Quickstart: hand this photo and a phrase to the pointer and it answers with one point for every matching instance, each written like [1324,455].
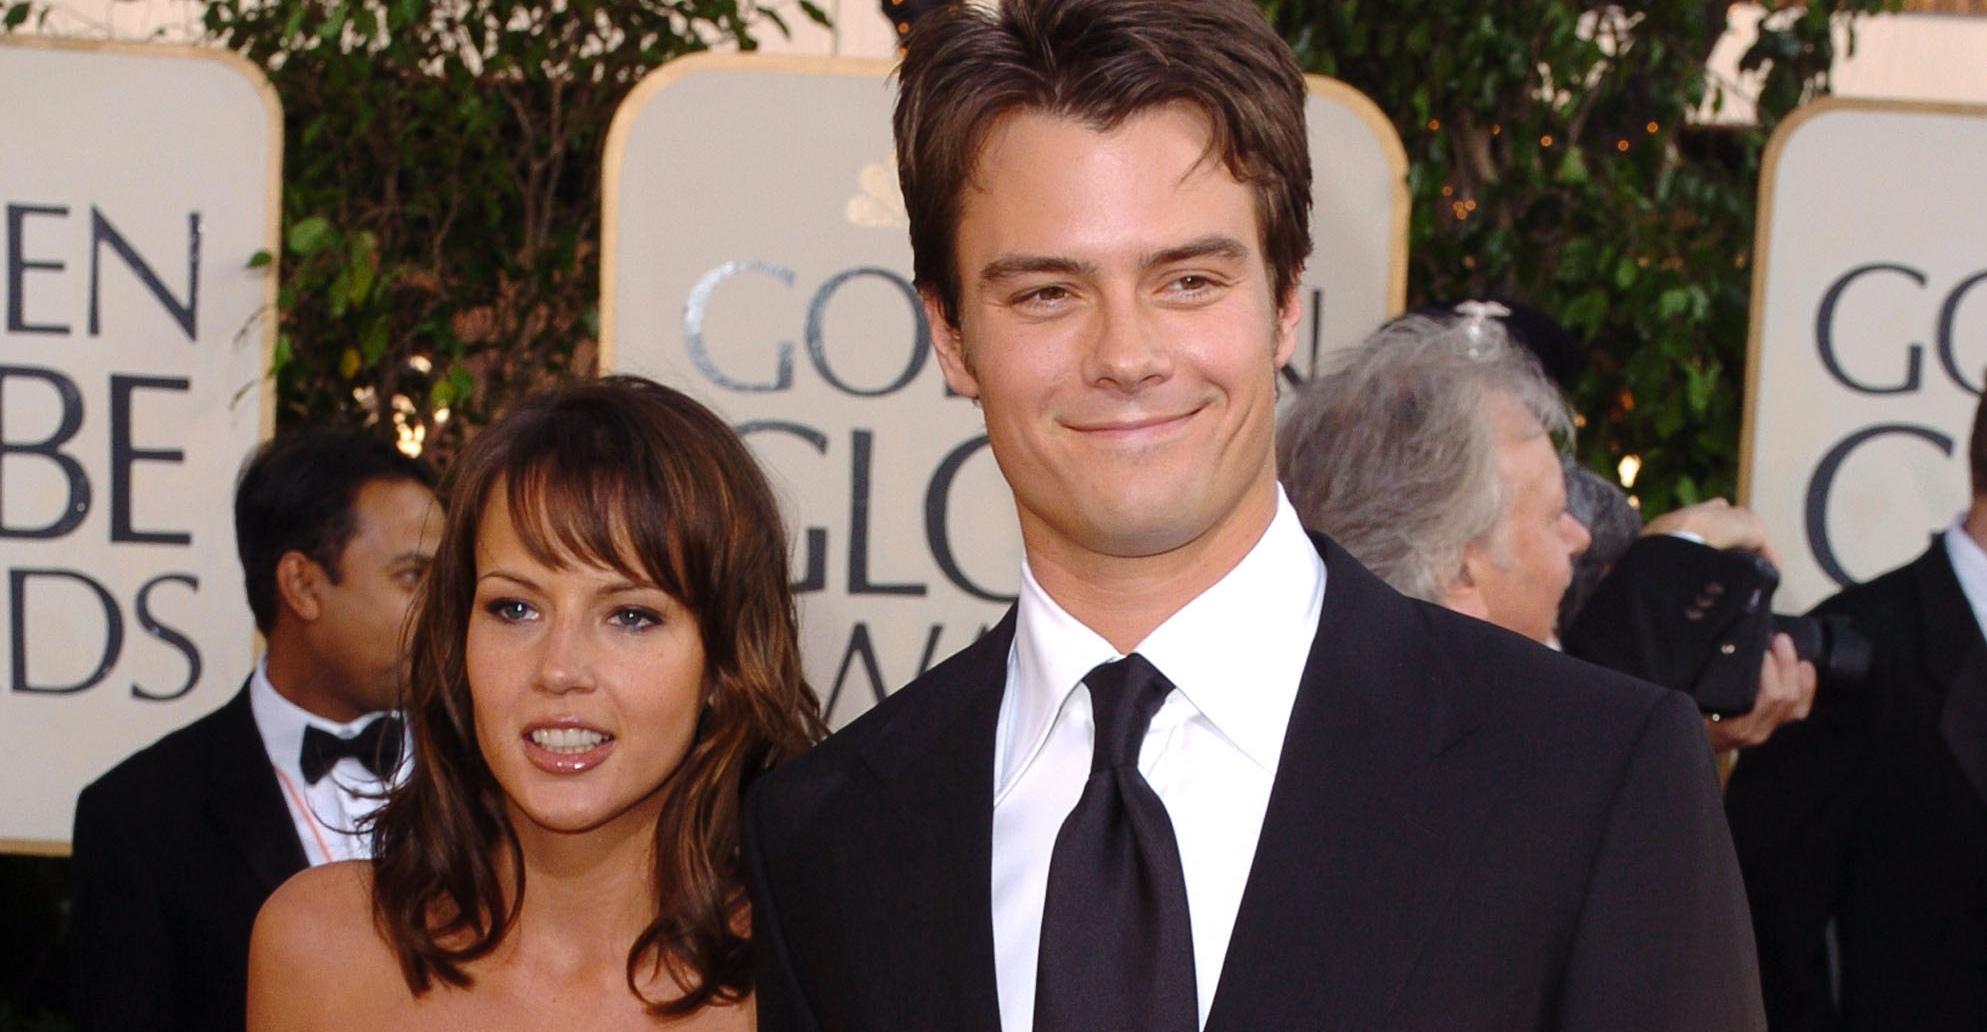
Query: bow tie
[376,747]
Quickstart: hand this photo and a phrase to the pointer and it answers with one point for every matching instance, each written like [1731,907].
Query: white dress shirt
[1235,654]
[326,814]
[1970,566]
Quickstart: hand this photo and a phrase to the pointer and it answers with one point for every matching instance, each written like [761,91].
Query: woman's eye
[634,618]
[509,610]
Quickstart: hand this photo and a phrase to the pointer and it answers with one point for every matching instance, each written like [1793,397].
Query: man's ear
[1288,314]
[299,581]
[950,347]
[1461,589]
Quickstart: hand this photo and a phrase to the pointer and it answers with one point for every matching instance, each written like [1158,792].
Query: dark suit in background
[175,851]
[1466,832]
[1870,813]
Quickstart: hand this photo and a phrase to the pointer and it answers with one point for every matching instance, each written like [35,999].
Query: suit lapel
[938,775]
[244,799]
[1380,792]
[1955,656]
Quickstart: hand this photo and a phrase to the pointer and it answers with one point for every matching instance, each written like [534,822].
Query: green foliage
[1551,161]
[441,201]
[441,195]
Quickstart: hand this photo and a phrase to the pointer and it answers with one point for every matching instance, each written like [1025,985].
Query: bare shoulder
[318,907]
[315,943]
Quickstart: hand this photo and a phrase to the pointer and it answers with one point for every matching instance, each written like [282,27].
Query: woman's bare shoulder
[319,907]
[315,942]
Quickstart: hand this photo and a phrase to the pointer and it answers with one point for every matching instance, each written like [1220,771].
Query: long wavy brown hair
[631,475]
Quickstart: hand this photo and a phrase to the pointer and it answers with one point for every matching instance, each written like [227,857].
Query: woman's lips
[566,746]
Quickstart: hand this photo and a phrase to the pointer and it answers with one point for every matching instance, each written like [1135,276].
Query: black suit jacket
[174,852]
[1467,831]
[1870,813]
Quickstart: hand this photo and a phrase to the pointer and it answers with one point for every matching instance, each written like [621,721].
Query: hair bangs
[574,506]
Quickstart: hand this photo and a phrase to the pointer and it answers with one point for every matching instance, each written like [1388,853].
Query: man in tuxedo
[177,847]
[1208,772]
[1871,816]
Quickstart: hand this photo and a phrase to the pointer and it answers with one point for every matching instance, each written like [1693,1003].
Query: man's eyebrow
[1214,245]
[1010,266]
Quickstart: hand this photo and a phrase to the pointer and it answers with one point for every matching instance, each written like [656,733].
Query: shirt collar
[282,723]
[1236,651]
[1969,563]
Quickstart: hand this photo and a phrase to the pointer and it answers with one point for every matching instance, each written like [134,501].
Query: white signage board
[137,183]
[755,255]
[1869,336]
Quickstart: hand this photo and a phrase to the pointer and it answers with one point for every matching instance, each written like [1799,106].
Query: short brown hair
[1099,61]
[638,477]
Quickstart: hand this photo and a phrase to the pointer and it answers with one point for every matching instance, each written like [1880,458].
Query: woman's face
[586,684]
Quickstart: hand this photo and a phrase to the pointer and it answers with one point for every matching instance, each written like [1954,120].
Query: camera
[1700,620]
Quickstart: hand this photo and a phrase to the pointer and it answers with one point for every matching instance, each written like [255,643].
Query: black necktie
[376,747]
[1117,952]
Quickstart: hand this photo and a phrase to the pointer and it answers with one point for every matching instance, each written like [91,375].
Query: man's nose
[1575,533]
[1129,349]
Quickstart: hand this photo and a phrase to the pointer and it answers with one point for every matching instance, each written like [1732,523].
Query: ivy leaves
[1553,159]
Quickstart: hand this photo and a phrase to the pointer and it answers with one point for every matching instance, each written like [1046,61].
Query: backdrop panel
[137,183]
[1869,336]
[755,255]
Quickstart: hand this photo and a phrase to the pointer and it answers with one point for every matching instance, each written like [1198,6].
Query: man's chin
[1145,533]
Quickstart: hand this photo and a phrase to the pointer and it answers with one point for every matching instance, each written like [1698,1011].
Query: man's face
[1525,566]
[360,629]
[1117,325]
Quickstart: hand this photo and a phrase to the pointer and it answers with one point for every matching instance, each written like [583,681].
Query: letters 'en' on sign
[136,185]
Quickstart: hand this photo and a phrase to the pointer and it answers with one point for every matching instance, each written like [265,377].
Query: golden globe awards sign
[1869,336]
[136,184]
[755,254]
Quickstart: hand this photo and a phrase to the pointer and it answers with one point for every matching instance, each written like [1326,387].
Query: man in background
[1432,452]
[177,847]
[1871,816]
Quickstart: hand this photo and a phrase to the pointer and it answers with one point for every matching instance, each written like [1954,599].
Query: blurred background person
[1429,452]
[1434,453]
[605,658]
[177,847]
[1870,818]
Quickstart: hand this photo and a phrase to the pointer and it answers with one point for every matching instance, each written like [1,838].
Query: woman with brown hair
[604,656]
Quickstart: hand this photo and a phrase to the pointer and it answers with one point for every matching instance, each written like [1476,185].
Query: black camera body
[1697,619]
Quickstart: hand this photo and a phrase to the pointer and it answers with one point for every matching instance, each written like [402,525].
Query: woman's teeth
[570,740]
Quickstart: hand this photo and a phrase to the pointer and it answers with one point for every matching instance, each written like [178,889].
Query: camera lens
[1840,653]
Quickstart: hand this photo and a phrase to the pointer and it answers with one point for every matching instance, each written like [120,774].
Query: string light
[1434,124]
[1631,465]
[1621,145]
[1546,140]
[1651,128]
